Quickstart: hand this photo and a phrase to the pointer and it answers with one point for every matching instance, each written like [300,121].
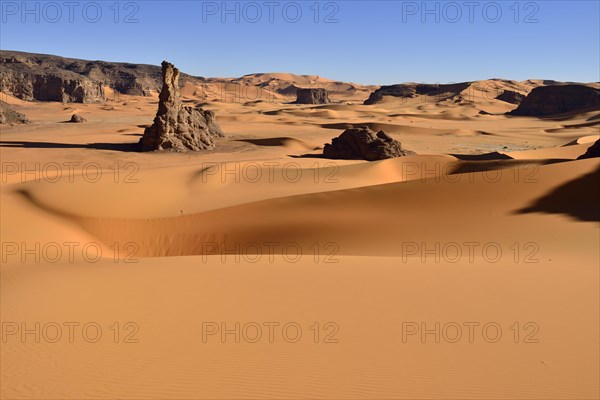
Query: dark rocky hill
[558,99]
[41,77]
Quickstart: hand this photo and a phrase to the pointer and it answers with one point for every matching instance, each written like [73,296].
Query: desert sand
[341,264]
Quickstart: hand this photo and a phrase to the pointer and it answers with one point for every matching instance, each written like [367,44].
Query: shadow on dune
[526,167]
[569,115]
[374,126]
[279,142]
[593,118]
[126,147]
[573,126]
[579,198]
[276,141]
[482,157]
[322,156]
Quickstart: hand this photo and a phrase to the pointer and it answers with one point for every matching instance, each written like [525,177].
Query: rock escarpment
[558,99]
[62,87]
[363,143]
[179,128]
[41,77]
[412,90]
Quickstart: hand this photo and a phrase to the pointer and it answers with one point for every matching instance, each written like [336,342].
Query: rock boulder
[9,116]
[363,143]
[77,119]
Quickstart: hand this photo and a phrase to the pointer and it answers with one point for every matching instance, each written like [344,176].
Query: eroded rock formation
[511,96]
[363,143]
[557,99]
[176,127]
[412,90]
[312,96]
[9,116]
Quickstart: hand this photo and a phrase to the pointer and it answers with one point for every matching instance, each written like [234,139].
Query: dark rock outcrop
[312,96]
[176,127]
[9,116]
[511,97]
[412,90]
[62,87]
[558,99]
[592,151]
[363,143]
[77,119]
[41,77]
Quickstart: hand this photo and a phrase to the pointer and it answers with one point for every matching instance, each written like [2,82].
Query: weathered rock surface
[511,96]
[9,116]
[179,128]
[411,90]
[77,119]
[64,88]
[312,96]
[557,99]
[363,143]
[592,151]
[40,77]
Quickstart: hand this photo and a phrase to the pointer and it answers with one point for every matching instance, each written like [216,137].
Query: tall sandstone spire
[179,128]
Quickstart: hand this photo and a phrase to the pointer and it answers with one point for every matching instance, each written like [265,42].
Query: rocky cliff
[557,99]
[40,77]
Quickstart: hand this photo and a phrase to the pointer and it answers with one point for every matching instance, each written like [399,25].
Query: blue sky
[370,42]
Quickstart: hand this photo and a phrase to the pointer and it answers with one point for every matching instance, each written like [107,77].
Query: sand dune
[369,359]
[359,247]
[383,208]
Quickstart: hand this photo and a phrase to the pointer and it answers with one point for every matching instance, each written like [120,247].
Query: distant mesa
[412,90]
[558,99]
[312,96]
[510,96]
[179,128]
[8,116]
[77,119]
[363,143]
[592,151]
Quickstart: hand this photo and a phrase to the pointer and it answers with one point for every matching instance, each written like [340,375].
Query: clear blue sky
[371,42]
